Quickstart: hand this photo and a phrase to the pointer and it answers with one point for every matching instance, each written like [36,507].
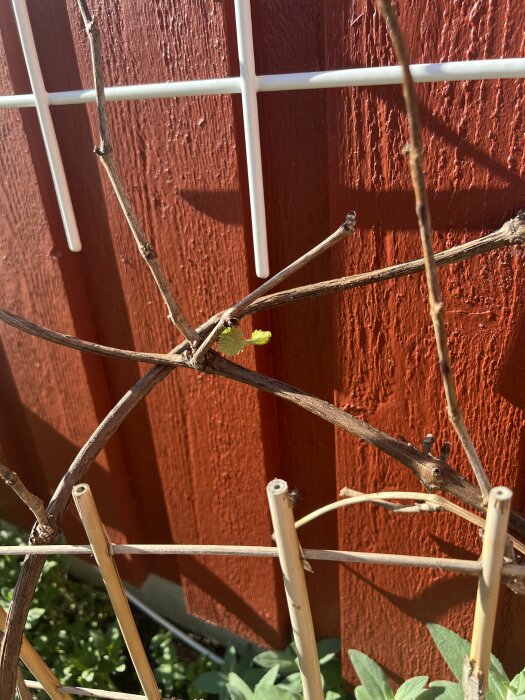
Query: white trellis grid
[248,84]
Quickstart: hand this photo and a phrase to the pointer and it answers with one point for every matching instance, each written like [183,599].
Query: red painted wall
[190,465]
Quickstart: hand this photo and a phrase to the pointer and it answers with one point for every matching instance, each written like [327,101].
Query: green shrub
[454,649]
[177,667]
[70,624]
[277,677]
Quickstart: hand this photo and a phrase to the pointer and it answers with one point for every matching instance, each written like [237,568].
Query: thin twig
[382,497]
[231,315]
[70,341]
[421,507]
[437,309]
[46,530]
[511,233]
[105,153]
[21,687]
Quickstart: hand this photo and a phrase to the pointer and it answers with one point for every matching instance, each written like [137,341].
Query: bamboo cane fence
[489,569]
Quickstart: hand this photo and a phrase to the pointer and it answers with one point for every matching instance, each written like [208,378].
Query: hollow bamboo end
[80,490]
[501,494]
[277,487]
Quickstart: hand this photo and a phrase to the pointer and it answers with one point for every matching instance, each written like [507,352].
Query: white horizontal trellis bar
[248,84]
[490,69]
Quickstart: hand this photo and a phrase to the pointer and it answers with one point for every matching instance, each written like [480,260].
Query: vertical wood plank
[387,365]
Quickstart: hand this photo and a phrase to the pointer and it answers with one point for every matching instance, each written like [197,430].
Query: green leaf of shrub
[518,683]
[454,649]
[447,690]
[328,649]
[269,677]
[371,675]
[292,683]
[285,659]
[411,689]
[238,688]
[273,692]
[361,693]
[211,682]
[231,341]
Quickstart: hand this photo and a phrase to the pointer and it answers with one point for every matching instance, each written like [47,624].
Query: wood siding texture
[191,463]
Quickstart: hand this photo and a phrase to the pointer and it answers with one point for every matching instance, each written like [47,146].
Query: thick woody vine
[196,352]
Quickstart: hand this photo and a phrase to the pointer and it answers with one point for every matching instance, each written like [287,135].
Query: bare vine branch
[437,309]
[32,566]
[46,530]
[105,153]
[384,499]
[232,314]
[511,233]
[432,472]
[70,341]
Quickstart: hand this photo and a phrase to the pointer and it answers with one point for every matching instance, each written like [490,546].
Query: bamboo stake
[101,545]
[37,666]
[476,668]
[295,586]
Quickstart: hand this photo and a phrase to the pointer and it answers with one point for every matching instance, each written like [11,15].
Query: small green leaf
[292,683]
[454,649]
[238,688]
[328,649]
[273,692]
[269,677]
[231,342]
[518,682]
[499,688]
[371,675]
[211,682]
[361,693]
[286,660]
[411,689]
[245,659]
[446,690]
[259,338]
[34,615]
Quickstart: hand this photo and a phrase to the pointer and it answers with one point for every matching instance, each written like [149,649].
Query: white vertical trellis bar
[252,138]
[46,124]
[248,84]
